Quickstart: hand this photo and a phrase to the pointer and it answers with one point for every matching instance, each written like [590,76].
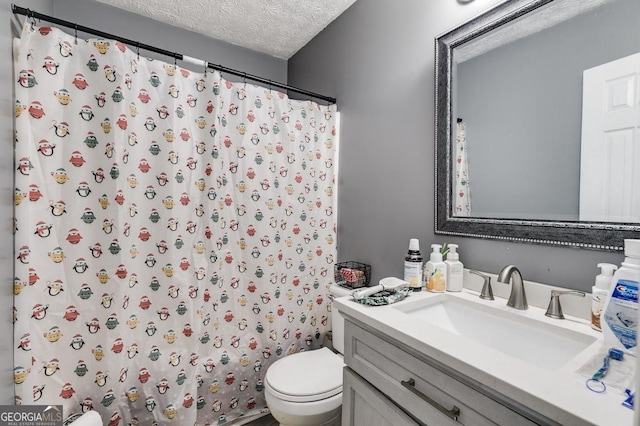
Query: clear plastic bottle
[413,265]
[455,269]
[619,318]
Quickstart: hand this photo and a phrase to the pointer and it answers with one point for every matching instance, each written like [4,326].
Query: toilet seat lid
[310,375]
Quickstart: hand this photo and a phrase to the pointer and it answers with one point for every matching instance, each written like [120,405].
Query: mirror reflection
[545,116]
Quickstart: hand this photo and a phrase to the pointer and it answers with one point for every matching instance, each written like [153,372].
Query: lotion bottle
[436,271]
[619,317]
[455,269]
[413,265]
[600,292]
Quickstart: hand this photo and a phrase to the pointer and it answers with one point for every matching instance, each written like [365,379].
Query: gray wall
[523,101]
[96,15]
[377,59]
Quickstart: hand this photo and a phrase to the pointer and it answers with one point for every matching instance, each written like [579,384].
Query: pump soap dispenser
[435,271]
[600,291]
[455,269]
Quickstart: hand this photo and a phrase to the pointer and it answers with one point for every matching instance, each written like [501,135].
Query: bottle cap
[414,244]
[453,254]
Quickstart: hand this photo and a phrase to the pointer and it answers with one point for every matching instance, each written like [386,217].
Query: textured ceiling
[276,27]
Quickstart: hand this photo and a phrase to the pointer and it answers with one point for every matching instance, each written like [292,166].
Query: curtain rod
[32,14]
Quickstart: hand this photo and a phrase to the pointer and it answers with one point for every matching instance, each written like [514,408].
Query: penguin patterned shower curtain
[461,190]
[174,233]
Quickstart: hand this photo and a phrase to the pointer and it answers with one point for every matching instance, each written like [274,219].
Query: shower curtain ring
[31,14]
[175,59]
[75,40]
[138,50]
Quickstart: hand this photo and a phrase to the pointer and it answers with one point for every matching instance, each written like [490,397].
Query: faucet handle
[487,291]
[554,310]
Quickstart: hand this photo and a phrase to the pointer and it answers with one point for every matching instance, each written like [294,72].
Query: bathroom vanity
[446,359]
[419,385]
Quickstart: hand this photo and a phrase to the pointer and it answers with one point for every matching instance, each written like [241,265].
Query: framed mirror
[538,124]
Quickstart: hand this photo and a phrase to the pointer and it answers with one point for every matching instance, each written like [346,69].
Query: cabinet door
[426,393]
[364,405]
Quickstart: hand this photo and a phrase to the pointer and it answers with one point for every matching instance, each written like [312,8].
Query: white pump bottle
[435,269]
[455,269]
[600,292]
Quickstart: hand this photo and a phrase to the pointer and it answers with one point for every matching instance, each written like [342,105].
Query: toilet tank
[337,320]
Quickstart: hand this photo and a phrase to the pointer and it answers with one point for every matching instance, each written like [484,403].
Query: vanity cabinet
[388,383]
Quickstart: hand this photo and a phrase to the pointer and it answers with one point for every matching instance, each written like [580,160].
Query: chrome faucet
[554,310]
[517,298]
[487,291]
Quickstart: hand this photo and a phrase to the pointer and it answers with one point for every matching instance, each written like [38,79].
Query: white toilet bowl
[305,389]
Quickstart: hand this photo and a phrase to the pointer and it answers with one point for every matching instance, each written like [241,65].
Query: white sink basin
[535,342]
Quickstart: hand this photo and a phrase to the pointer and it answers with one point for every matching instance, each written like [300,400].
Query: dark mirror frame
[590,235]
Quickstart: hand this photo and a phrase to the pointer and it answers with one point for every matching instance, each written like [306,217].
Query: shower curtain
[461,190]
[174,233]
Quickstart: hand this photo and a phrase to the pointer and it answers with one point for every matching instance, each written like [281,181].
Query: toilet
[305,389]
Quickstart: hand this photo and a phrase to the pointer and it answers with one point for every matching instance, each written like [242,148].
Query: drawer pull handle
[411,385]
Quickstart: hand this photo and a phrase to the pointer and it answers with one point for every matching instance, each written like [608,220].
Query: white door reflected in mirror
[610,151]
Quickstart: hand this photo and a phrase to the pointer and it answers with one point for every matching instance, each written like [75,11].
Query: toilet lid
[309,376]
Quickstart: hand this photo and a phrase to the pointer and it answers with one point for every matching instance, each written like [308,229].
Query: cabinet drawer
[386,366]
[364,405]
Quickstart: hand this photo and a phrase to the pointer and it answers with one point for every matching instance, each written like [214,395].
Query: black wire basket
[352,274]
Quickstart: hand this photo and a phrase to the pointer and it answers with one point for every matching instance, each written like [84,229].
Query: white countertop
[561,395]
